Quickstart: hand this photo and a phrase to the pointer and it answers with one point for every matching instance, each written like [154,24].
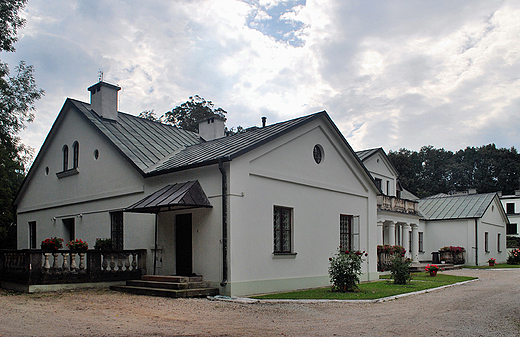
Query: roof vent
[264,120]
[103,99]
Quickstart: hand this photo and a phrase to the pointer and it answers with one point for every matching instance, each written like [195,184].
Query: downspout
[155,249]
[476,242]
[224,222]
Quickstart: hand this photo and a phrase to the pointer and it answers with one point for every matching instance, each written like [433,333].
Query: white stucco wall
[380,168]
[283,173]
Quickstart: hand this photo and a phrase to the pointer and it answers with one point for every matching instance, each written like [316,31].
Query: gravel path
[488,307]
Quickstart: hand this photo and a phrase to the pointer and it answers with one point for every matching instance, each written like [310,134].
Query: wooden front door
[183,249]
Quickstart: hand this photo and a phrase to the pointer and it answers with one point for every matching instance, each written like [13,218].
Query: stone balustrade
[34,266]
[394,204]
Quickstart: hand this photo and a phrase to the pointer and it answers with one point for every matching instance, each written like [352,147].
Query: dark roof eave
[186,167]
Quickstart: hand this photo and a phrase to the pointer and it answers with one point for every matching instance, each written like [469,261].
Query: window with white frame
[75,150]
[349,232]
[499,248]
[486,242]
[32,234]
[421,242]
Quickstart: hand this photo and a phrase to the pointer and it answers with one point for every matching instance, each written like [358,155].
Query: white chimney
[103,99]
[212,128]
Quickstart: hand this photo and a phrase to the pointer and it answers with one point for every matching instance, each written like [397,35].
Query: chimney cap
[98,85]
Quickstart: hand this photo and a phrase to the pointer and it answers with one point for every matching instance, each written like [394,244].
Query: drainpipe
[224,222]
[155,248]
[476,242]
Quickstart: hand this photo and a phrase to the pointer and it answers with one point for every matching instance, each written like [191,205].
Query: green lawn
[373,290]
[496,266]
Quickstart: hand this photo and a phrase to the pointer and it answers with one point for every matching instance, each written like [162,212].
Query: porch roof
[173,197]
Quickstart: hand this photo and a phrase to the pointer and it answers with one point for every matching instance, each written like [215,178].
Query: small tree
[400,269]
[344,270]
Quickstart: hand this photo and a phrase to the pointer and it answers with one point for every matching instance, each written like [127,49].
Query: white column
[415,243]
[381,232]
[391,233]
[406,239]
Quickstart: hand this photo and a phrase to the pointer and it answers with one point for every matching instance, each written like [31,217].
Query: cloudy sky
[396,74]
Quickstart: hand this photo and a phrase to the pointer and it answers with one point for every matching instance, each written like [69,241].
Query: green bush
[103,244]
[513,241]
[400,269]
[344,270]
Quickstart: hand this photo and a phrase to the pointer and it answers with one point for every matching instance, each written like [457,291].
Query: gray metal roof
[143,142]
[155,148]
[455,207]
[172,197]
[364,154]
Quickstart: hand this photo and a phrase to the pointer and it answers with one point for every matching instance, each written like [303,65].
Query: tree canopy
[188,114]
[18,93]
[431,171]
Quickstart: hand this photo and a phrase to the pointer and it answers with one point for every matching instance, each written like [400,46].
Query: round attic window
[47,170]
[96,154]
[317,153]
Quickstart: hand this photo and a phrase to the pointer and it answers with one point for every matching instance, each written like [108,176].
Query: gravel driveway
[488,307]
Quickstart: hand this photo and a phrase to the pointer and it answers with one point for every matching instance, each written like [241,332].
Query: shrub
[400,269]
[344,270]
[514,256]
[513,241]
[103,244]
[453,249]
[387,249]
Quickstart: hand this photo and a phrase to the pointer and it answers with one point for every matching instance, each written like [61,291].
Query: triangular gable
[366,155]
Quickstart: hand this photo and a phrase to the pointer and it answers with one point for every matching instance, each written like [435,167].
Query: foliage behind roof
[455,207]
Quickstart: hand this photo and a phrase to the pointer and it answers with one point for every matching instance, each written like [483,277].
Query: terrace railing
[38,267]
[394,204]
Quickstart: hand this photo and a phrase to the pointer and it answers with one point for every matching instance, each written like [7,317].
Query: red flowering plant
[432,267]
[492,260]
[54,243]
[77,244]
[344,270]
[514,256]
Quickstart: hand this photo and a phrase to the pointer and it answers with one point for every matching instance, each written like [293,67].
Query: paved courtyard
[488,307]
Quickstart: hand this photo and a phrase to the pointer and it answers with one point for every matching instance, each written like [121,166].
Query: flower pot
[433,273]
[491,264]
[443,262]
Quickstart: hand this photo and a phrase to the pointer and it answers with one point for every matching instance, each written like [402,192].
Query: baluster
[120,262]
[112,263]
[127,261]
[73,262]
[82,267]
[65,262]
[104,265]
[46,264]
[55,265]
[134,261]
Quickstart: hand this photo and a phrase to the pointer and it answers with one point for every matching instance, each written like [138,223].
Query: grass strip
[496,266]
[373,290]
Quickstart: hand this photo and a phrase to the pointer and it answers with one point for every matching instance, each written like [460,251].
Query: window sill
[284,255]
[67,173]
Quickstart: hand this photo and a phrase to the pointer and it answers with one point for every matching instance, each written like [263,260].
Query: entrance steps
[168,286]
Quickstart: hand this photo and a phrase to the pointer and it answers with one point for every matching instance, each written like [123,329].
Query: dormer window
[75,148]
[65,158]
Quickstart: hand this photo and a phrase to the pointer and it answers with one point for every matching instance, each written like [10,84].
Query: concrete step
[167,285]
[174,279]
[175,293]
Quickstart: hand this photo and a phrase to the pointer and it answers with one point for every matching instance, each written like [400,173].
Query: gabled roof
[455,207]
[364,154]
[154,148]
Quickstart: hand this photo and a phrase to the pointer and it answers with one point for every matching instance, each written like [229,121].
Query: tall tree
[188,114]
[18,94]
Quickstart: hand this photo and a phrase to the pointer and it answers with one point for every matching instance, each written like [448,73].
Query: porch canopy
[173,197]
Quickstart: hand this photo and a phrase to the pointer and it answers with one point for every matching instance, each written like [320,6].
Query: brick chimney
[103,99]
[212,128]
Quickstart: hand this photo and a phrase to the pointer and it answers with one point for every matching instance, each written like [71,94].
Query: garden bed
[373,290]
